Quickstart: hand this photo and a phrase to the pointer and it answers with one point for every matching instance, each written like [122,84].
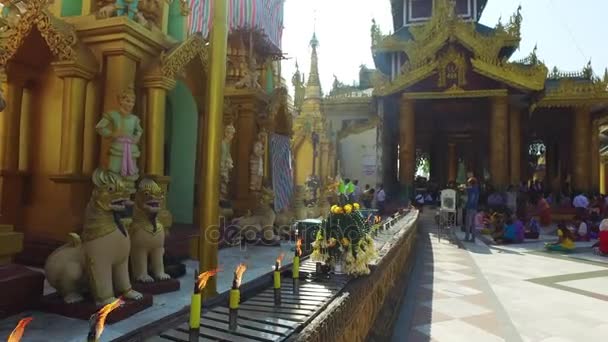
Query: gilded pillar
[581,141]
[603,177]
[25,131]
[452,162]
[325,160]
[594,152]
[515,146]
[156,88]
[91,138]
[499,142]
[209,191]
[73,115]
[407,146]
[245,138]
[10,122]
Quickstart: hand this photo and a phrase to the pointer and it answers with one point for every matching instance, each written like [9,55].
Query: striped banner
[265,15]
[282,173]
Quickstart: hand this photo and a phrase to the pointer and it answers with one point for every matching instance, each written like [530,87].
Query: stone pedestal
[54,303]
[157,287]
[21,287]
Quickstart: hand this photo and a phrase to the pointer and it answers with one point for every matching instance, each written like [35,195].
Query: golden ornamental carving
[445,27]
[456,92]
[406,79]
[573,93]
[176,60]
[516,75]
[59,36]
[452,66]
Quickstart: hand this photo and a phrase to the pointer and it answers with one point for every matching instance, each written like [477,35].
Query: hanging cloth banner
[282,173]
[265,15]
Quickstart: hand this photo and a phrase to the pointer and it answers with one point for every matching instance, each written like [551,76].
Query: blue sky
[568,33]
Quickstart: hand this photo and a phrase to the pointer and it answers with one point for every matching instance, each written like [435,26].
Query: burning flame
[299,247]
[280,259]
[204,277]
[19,329]
[238,274]
[103,313]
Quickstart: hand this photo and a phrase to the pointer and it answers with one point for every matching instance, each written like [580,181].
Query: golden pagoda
[314,152]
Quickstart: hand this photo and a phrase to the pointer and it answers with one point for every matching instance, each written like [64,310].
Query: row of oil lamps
[235,292]
[98,319]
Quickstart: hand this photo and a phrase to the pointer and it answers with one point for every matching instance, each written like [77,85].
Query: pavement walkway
[474,292]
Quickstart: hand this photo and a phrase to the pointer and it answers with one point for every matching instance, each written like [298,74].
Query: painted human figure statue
[124,130]
[226,161]
[256,163]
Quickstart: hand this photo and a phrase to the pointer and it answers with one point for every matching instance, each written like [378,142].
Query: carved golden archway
[188,61]
[60,37]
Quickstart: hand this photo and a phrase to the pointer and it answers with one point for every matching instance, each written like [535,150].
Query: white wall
[358,157]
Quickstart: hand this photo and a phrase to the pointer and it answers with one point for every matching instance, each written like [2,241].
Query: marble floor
[474,292]
[50,327]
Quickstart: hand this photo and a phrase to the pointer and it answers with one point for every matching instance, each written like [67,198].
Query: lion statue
[261,220]
[150,221]
[99,260]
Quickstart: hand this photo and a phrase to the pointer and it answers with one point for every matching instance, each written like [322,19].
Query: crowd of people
[519,213]
[369,197]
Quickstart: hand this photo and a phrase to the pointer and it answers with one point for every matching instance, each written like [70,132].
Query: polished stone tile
[449,275]
[594,285]
[456,307]
[457,331]
[451,289]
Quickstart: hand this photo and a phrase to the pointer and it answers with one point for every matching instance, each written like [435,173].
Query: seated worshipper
[565,240]
[581,232]
[581,205]
[532,230]
[512,233]
[544,211]
[481,220]
[601,247]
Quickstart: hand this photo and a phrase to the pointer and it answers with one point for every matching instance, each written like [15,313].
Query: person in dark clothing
[471,206]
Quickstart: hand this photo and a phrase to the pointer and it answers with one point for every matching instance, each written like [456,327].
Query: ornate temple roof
[397,10]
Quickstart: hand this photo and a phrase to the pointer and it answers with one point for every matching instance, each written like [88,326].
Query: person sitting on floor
[565,240]
[481,221]
[581,232]
[532,230]
[512,233]
[601,247]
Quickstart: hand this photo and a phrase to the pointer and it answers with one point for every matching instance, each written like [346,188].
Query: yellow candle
[296,267]
[277,279]
[195,311]
[235,298]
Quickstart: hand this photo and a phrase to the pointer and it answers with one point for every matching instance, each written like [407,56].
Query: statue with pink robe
[124,130]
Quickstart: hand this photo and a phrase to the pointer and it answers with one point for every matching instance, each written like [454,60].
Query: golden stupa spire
[313,87]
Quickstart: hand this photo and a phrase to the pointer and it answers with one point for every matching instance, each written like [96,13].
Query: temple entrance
[451,139]
[181,131]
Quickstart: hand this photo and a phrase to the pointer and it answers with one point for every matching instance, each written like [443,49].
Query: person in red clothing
[601,247]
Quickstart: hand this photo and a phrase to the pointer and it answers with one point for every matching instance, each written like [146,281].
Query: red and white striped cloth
[266,15]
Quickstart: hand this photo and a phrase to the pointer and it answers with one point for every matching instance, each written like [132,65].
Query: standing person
[357,192]
[511,199]
[471,206]
[380,199]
